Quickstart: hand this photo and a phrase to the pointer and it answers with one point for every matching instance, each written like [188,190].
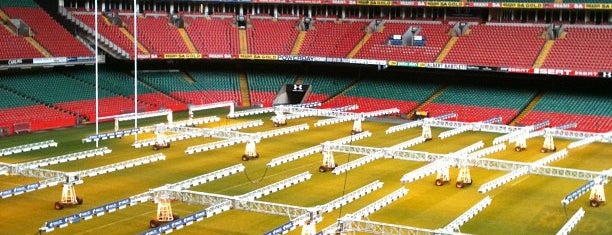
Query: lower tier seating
[468,113]
[35,117]
[588,123]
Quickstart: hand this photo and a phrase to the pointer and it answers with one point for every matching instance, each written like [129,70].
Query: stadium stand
[263,86]
[271,37]
[582,48]
[377,47]
[476,103]
[154,32]
[216,86]
[332,39]
[225,41]
[69,94]
[496,45]
[17,110]
[385,93]
[108,30]
[325,86]
[122,84]
[13,46]
[199,88]
[18,3]
[50,34]
[592,112]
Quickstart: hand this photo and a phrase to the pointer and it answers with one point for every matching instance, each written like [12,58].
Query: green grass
[527,205]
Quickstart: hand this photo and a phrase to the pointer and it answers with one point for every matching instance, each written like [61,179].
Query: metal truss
[272,208]
[28,147]
[16,168]
[341,201]
[469,214]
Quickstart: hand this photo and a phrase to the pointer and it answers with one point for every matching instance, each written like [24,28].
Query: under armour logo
[297,87]
[606,74]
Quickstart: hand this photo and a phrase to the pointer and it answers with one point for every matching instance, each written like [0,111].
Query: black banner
[296,92]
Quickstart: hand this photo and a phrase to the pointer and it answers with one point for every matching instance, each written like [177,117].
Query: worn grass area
[527,205]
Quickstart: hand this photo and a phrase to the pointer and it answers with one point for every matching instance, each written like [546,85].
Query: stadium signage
[598,6]
[257,57]
[220,56]
[149,56]
[183,56]
[446,66]
[15,61]
[605,74]
[445,4]
[296,58]
[374,3]
[522,5]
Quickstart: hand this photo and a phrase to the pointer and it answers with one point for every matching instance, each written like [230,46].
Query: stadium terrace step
[359,45]
[298,43]
[543,54]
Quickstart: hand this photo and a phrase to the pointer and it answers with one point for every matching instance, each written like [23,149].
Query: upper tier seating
[583,48]
[385,93]
[157,35]
[271,37]
[109,31]
[51,35]
[15,47]
[501,46]
[592,112]
[213,36]
[263,86]
[480,103]
[332,39]
[376,47]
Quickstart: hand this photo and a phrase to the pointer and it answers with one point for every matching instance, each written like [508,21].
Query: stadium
[305,117]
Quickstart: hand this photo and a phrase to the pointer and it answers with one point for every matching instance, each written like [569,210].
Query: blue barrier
[280,229]
[577,193]
[20,189]
[88,214]
[188,220]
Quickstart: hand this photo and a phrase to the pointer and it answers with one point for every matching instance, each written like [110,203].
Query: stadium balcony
[225,39]
[13,46]
[377,48]
[500,46]
[271,37]
[582,48]
[50,34]
[112,32]
[154,32]
[332,39]
[592,112]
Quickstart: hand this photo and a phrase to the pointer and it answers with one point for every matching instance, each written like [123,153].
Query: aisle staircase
[359,45]
[426,102]
[298,43]
[129,35]
[446,49]
[38,47]
[244,90]
[243,41]
[527,108]
[187,41]
[543,53]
